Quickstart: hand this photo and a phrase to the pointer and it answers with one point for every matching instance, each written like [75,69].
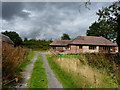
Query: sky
[49,20]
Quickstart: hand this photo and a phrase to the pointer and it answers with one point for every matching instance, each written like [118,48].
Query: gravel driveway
[52,80]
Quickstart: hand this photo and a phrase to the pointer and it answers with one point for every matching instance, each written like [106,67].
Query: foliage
[105,62]
[14,37]
[112,13]
[65,37]
[32,43]
[108,24]
[69,78]
[27,61]
[103,28]
[36,44]
[38,77]
[60,74]
[93,70]
[102,60]
[12,57]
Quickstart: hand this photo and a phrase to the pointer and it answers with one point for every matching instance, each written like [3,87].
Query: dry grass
[11,59]
[82,71]
[74,65]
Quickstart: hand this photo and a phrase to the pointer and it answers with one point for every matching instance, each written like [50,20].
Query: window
[65,48]
[54,47]
[92,47]
[80,47]
[69,47]
[106,48]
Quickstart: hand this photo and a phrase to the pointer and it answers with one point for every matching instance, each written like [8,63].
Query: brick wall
[74,49]
[78,49]
[84,49]
[59,48]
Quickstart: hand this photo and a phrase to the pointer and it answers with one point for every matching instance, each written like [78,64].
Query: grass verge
[25,62]
[38,77]
[63,77]
[72,73]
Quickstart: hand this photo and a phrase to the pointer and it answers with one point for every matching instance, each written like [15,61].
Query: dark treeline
[31,43]
[36,44]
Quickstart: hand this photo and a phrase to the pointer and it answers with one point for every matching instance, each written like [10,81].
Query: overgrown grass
[64,78]
[19,69]
[69,79]
[27,61]
[107,63]
[38,77]
[39,49]
[12,57]
[86,70]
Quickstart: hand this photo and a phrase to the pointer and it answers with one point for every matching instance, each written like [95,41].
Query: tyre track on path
[52,80]
[27,73]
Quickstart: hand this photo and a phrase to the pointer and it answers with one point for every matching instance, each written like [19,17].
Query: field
[87,70]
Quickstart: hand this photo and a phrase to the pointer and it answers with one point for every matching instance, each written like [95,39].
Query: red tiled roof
[60,42]
[85,40]
[92,40]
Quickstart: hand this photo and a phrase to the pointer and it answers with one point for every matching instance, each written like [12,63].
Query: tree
[65,37]
[25,39]
[14,37]
[103,28]
[36,44]
[112,14]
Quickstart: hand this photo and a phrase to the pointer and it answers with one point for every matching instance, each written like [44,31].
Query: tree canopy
[102,28]
[32,43]
[36,44]
[65,37]
[110,18]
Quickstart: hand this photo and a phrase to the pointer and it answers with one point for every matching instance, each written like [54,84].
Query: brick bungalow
[89,44]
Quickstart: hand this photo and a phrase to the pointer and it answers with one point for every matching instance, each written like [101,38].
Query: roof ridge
[90,40]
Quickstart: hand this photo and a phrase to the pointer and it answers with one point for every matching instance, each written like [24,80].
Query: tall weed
[105,62]
[12,57]
[101,70]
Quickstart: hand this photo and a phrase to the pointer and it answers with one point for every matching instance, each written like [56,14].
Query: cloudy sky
[43,20]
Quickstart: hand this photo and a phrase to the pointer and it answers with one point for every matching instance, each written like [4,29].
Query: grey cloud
[60,5]
[0,10]
[11,9]
[51,20]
